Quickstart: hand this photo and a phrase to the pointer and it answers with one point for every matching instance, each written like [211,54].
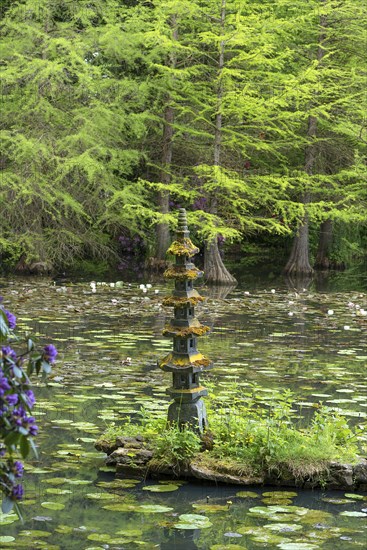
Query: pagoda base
[193,413]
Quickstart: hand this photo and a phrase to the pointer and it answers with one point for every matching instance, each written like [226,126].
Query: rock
[360,475]
[201,472]
[106,446]
[129,442]
[129,456]
[340,476]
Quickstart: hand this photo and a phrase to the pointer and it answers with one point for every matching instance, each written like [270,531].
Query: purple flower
[17,492]
[12,320]
[9,352]
[12,399]
[33,430]
[18,469]
[30,398]
[50,353]
[4,385]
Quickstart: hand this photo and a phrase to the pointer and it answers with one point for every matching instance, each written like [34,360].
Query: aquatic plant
[17,425]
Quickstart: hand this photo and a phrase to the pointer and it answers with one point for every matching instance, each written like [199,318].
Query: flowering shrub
[17,425]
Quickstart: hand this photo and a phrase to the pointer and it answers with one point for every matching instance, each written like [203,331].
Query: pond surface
[264,337]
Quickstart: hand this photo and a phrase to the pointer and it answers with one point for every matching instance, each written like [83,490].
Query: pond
[264,337]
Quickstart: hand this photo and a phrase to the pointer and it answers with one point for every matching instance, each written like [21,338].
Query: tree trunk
[325,239]
[299,259]
[298,262]
[214,268]
[162,231]
[163,234]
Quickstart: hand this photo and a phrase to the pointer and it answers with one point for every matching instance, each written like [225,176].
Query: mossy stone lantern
[185,361]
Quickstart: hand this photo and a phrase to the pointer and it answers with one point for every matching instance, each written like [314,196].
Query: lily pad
[35,533]
[355,497]
[283,527]
[297,546]
[192,521]
[99,537]
[7,519]
[161,488]
[352,514]
[6,538]
[279,494]
[101,496]
[336,500]
[153,509]
[208,508]
[53,505]
[247,494]
[121,507]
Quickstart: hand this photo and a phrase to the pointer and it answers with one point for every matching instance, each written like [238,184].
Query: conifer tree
[67,135]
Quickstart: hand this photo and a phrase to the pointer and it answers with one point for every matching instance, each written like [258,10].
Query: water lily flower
[290,313]
[156,291]
[273,291]
[346,327]
[330,312]
[142,287]
[149,285]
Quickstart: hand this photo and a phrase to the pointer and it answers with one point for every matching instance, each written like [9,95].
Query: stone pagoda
[185,361]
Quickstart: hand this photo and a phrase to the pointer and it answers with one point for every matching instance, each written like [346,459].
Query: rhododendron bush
[18,361]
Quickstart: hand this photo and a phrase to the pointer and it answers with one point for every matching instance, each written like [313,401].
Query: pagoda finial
[182,220]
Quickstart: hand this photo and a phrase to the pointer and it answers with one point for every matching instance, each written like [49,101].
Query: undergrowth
[249,438]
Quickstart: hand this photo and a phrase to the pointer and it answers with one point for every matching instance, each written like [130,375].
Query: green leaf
[11,438]
[18,372]
[7,505]
[46,367]
[24,446]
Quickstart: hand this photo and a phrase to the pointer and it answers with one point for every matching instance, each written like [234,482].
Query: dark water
[309,339]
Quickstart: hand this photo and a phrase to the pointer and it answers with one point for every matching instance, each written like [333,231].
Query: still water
[264,336]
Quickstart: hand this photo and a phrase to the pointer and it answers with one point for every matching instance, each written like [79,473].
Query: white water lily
[149,285]
[290,313]
[156,291]
[273,291]
[346,327]
[142,287]
[330,312]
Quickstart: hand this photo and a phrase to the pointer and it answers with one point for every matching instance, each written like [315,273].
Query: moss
[204,362]
[186,331]
[197,360]
[179,302]
[184,247]
[181,273]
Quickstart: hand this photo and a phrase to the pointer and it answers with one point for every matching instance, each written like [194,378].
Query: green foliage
[86,88]
[250,438]
[175,446]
